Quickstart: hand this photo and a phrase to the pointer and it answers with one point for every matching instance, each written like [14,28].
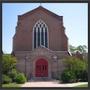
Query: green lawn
[11,85]
[85,85]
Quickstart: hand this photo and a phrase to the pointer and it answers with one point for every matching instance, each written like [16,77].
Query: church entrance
[41,68]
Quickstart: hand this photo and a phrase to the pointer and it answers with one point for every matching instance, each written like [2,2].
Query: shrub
[68,76]
[84,76]
[78,67]
[6,79]
[13,74]
[78,75]
[20,78]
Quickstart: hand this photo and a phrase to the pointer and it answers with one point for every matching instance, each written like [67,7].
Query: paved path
[50,84]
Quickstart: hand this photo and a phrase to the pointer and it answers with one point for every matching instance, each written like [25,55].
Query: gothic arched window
[40,34]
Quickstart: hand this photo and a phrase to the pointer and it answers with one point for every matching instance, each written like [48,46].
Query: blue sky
[75,18]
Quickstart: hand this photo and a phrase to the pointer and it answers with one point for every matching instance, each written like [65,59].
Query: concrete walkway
[51,84]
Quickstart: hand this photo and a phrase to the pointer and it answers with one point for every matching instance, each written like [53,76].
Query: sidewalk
[51,84]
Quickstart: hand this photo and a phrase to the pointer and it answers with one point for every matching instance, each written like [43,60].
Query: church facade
[40,44]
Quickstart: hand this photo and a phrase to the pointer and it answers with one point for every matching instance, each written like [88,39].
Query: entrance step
[41,79]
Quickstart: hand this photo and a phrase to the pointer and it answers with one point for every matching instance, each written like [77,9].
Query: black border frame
[44,1]
[0,45]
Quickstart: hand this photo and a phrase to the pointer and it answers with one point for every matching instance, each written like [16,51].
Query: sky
[75,20]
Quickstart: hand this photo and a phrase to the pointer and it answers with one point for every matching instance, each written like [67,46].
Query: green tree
[74,63]
[10,74]
[81,48]
[8,63]
[78,66]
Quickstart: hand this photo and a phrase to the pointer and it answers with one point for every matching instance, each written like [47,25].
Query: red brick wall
[23,37]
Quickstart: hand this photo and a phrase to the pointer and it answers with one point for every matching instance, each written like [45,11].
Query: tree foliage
[74,63]
[20,78]
[6,79]
[81,48]
[13,74]
[10,74]
[68,76]
[8,63]
[75,68]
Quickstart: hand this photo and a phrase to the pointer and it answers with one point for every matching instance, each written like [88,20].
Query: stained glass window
[40,36]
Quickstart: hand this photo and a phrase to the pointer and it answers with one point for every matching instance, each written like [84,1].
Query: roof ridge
[40,7]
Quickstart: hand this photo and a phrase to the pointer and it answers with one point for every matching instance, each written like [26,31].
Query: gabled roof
[43,9]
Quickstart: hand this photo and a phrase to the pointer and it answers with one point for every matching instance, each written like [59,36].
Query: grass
[11,85]
[84,85]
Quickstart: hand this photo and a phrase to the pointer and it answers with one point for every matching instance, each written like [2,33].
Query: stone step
[40,79]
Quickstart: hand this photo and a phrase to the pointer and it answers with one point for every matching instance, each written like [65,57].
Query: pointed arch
[40,34]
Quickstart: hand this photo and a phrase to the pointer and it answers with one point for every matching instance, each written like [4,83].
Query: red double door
[41,68]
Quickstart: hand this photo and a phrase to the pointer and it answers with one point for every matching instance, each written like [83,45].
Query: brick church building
[40,44]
